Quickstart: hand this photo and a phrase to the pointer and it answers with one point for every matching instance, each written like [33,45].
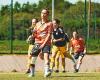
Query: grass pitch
[54,76]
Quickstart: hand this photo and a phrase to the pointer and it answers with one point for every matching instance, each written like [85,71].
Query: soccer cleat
[32,69]
[28,71]
[76,70]
[47,74]
[63,71]
[56,71]
[51,70]
[31,75]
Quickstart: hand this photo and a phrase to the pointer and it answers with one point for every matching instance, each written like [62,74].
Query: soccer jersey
[30,30]
[77,44]
[41,30]
[57,34]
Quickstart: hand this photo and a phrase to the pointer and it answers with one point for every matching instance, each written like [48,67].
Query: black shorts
[36,50]
[46,49]
[76,55]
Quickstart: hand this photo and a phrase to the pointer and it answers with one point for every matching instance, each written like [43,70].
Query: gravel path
[10,63]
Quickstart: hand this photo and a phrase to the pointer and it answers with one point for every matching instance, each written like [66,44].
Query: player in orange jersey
[42,34]
[77,46]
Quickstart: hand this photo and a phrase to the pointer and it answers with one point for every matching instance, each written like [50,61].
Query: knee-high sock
[52,61]
[57,64]
[46,68]
[63,63]
[32,69]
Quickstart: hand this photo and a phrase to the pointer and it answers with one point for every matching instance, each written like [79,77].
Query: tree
[17,7]
[5,10]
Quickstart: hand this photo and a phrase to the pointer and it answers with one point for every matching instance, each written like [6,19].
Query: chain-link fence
[72,16]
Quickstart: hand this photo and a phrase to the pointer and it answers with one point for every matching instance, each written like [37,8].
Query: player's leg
[52,59]
[46,52]
[29,58]
[63,54]
[79,62]
[70,56]
[33,61]
[63,65]
[57,61]
[75,57]
[28,65]
[32,66]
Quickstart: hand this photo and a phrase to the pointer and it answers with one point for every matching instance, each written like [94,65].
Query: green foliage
[20,46]
[93,45]
[71,16]
[17,7]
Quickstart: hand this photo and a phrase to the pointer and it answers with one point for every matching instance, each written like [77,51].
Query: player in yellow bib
[31,41]
[59,39]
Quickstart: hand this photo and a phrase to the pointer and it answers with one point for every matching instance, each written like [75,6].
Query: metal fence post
[11,28]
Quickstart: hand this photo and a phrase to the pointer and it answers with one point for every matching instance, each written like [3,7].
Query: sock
[63,64]
[52,63]
[46,68]
[57,64]
[33,60]
[32,69]
[78,66]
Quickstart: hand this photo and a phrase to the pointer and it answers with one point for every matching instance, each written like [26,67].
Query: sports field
[54,76]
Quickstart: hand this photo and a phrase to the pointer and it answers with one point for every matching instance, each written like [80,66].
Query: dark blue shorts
[36,50]
[46,49]
[76,55]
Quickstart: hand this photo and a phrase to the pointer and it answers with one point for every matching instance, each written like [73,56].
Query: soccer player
[31,41]
[59,39]
[42,31]
[77,46]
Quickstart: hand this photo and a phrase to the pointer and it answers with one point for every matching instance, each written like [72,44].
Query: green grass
[54,76]
[93,45]
[18,46]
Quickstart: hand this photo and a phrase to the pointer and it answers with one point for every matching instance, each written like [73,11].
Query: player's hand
[29,39]
[54,40]
[30,56]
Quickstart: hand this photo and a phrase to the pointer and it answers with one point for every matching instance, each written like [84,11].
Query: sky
[5,2]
